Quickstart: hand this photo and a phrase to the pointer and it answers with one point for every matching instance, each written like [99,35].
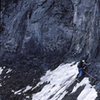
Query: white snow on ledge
[59,80]
[88,93]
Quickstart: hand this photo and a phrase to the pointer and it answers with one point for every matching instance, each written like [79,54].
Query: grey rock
[41,34]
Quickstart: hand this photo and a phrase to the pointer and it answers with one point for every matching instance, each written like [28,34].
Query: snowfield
[59,80]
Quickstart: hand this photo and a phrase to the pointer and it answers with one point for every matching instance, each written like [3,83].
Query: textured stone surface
[39,34]
[50,27]
[87,21]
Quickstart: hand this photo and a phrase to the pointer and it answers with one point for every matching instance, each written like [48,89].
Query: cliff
[37,35]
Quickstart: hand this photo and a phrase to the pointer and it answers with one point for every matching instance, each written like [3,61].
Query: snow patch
[85,81]
[1,70]
[27,88]
[88,92]
[9,70]
[22,90]
[59,80]
[18,92]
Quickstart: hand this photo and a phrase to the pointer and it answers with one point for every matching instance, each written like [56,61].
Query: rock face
[50,27]
[87,21]
[34,26]
[39,34]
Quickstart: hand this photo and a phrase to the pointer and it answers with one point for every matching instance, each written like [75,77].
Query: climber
[82,67]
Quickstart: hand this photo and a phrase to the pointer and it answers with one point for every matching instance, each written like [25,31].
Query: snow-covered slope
[59,82]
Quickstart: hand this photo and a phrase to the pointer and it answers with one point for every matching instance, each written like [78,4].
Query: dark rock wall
[41,28]
[50,27]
